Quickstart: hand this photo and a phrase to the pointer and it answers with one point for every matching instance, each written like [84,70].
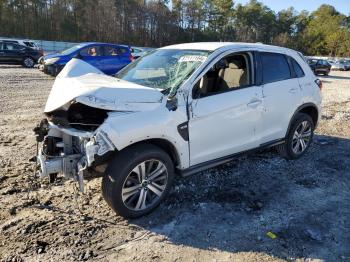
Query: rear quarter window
[111,51]
[297,68]
[275,67]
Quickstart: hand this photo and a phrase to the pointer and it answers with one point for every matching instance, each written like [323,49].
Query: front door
[92,55]
[227,111]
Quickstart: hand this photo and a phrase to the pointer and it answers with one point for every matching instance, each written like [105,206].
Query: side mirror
[171,102]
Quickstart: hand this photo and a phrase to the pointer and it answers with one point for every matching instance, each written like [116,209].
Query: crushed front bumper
[69,151]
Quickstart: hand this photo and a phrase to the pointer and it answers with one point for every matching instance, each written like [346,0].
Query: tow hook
[82,165]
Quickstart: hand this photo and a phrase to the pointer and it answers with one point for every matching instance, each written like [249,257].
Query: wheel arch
[164,144]
[28,56]
[309,109]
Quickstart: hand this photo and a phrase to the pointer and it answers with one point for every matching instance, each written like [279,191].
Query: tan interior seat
[230,76]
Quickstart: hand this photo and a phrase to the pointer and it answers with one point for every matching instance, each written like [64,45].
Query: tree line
[324,31]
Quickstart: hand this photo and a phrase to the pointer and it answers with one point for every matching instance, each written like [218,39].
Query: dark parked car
[320,66]
[11,53]
[108,58]
[28,43]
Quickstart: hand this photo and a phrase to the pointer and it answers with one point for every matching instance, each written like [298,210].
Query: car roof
[11,42]
[212,46]
[100,43]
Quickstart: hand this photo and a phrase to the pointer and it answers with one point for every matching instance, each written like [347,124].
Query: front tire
[28,62]
[137,179]
[299,137]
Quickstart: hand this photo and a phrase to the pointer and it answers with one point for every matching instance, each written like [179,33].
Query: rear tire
[299,137]
[137,179]
[28,62]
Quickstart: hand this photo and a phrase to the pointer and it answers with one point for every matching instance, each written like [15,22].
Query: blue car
[108,58]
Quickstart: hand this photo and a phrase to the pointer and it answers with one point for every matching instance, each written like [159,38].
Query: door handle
[254,103]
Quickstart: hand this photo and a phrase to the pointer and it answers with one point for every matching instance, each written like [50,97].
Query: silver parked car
[338,66]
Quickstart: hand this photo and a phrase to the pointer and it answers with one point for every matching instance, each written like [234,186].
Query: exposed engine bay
[68,150]
[78,116]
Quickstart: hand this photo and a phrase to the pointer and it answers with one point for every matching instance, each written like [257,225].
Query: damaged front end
[72,137]
[73,149]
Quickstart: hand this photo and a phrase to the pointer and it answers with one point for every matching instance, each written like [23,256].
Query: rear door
[110,63]
[124,55]
[321,66]
[281,95]
[115,58]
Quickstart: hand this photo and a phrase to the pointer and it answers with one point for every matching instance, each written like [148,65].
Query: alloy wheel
[301,137]
[28,62]
[144,185]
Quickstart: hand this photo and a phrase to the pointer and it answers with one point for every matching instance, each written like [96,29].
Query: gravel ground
[224,214]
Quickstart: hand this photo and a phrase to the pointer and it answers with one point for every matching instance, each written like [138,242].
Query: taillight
[131,58]
[319,83]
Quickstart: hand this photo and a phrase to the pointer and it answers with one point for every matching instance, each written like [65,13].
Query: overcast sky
[342,6]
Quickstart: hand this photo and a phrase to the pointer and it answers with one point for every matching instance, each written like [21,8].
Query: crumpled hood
[86,84]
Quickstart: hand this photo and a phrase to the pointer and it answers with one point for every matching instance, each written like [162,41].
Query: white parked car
[178,110]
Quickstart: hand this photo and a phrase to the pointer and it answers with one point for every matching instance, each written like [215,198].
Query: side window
[275,67]
[229,73]
[10,46]
[91,51]
[111,50]
[122,50]
[297,68]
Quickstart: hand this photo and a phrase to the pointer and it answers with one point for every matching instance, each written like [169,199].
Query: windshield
[163,68]
[71,49]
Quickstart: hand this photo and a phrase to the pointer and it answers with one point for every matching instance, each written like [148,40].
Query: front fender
[126,128]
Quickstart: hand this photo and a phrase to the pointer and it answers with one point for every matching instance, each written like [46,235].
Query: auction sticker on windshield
[192,58]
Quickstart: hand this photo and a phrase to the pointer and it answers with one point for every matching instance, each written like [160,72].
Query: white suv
[178,110]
